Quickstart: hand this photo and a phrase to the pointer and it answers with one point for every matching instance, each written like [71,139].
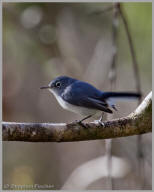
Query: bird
[83,98]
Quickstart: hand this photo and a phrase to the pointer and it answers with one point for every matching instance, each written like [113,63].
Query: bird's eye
[58,84]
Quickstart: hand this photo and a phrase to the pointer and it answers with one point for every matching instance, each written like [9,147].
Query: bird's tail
[112,97]
[121,95]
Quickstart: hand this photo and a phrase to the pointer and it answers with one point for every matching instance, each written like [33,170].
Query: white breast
[76,109]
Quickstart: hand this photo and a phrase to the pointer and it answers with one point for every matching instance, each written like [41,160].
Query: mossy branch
[138,122]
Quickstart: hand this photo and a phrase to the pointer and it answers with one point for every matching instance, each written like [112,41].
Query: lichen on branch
[138,122]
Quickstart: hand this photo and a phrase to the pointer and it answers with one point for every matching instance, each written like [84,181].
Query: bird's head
[59,84]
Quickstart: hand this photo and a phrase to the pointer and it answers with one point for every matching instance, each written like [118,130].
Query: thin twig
[112,78]
[138,88]
[132,50]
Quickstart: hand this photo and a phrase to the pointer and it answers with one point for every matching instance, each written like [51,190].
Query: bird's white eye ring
[58,84]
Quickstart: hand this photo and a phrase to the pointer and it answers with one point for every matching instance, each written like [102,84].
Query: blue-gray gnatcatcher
[82,98]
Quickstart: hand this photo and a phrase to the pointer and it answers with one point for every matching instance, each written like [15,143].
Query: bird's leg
[87,117]
[80,121]
[100,121]
[101,118]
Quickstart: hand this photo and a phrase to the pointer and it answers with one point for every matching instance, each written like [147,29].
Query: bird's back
[85,89]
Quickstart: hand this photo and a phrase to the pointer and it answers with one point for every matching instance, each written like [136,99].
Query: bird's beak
[45,87]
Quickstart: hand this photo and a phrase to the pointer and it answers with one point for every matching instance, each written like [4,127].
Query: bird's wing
[94,104]
[85,96]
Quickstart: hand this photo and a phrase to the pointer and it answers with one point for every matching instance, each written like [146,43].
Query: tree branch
[138,122]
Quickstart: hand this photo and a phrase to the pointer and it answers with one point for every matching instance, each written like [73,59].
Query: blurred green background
[45,40]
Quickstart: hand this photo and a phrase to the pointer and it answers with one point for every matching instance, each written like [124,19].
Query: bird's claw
[99,122]
[80,123]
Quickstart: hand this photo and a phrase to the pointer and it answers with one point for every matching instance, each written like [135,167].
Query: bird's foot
[79,122]
[100,122]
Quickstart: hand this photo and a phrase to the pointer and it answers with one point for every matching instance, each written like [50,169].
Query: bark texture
[138,122]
